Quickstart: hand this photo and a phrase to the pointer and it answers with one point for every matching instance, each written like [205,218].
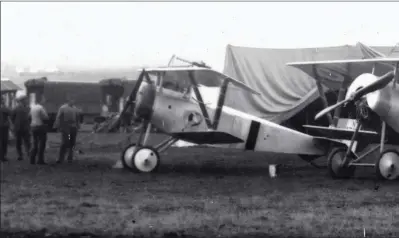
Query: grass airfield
[198,192]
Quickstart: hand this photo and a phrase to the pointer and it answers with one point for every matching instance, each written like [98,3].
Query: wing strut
[220,103]
[222,97]
[199,99]
[322,94]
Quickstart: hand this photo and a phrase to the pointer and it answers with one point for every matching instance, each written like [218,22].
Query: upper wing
[333,72]
[205,76]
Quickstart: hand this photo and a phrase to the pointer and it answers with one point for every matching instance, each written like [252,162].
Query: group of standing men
[29,122]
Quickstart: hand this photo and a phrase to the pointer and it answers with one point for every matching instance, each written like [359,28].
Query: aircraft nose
[145,101]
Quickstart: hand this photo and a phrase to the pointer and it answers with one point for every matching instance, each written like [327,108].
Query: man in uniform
[21,122]
[5,114]
[67,122]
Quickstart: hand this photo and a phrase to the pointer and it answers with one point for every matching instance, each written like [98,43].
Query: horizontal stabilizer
[207,137]
[341,133]
[205,76]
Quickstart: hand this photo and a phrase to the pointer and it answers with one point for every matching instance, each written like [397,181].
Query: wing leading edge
[333,72]
[205,76]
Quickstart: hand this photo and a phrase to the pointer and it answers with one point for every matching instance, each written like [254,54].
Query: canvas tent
[285,91]
[8,91]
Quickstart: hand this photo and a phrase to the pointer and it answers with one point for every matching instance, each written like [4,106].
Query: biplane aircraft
[170,99]
[371,88]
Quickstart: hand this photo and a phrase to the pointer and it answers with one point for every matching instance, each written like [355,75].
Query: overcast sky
[122,34]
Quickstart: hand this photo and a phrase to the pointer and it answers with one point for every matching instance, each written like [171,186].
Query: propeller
[138,105]
[380,83]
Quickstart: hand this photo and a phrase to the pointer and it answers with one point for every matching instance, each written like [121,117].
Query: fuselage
[174,112]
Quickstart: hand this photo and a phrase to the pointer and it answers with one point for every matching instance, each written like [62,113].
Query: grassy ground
[197,193]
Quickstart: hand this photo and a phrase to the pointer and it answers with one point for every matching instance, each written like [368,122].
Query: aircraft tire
[146,160]
[335,158]
[387,165]
[127,157]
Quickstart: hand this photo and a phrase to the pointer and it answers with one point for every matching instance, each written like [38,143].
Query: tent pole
[341,95]
[322,94]
[324,100]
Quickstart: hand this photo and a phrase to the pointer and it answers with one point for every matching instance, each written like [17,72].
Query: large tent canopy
[285,90]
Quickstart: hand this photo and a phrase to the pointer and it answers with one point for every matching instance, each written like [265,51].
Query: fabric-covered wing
[207,137]
[204,76]
[333,72]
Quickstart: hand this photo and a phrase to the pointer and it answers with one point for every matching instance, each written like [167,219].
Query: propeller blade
[330,108]
[377,85]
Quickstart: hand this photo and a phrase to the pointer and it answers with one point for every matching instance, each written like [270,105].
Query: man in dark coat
[21,123]
[5,114]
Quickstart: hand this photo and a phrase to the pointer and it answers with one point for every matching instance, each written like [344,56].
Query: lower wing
[207,137]
[342,134]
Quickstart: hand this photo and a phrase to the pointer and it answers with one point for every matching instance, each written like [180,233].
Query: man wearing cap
[67,122]
[21,123]
[5,114]
[38,125]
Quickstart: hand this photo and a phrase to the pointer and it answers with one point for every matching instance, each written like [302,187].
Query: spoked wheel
[142,160]
[387,166]
[335,164]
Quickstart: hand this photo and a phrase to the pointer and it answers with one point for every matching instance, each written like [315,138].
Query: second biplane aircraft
[370,87]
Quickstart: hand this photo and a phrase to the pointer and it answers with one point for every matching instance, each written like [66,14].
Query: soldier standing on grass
[67,122]
[39,117]
[5,114]
[21,123]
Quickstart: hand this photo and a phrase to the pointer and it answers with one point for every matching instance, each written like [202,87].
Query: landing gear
[387,166]
[310,159]
[336,167]
[143,159]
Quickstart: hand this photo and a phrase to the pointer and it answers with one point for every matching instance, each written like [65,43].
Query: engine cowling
[384,102]
[145,100]
[361,81]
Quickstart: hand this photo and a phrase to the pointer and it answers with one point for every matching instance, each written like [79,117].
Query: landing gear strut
[140,158]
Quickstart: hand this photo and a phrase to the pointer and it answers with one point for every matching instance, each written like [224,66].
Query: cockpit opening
[177,84]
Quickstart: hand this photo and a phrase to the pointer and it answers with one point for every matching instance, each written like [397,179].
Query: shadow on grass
[239,170]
